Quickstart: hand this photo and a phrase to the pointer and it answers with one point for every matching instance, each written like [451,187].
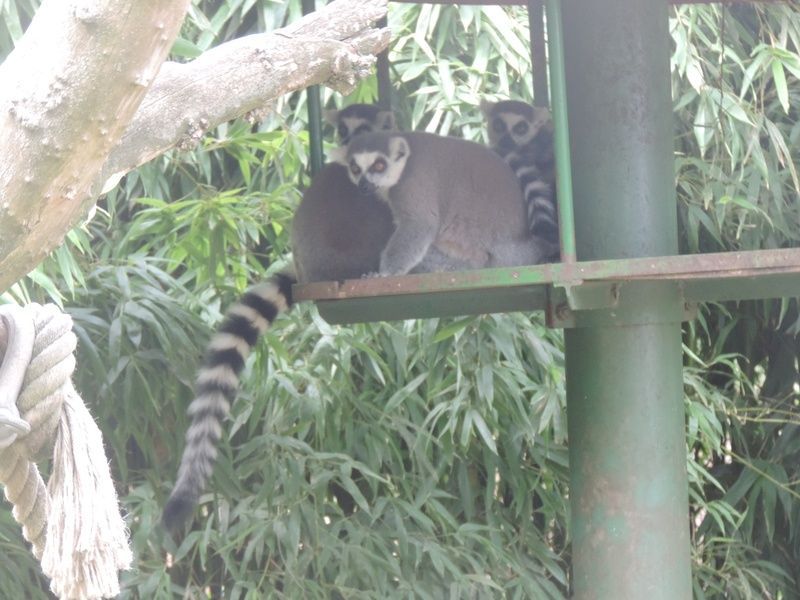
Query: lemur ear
[386,121]
[486,107]
[338,155]
[330,115]
[399,148]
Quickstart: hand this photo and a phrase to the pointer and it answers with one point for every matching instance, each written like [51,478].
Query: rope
[73,525]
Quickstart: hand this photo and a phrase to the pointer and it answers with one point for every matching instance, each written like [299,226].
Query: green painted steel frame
[629,511]
[727,276]
[700,277]
[314,112]
[566,212]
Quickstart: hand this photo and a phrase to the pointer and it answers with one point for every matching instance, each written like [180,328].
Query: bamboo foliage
[424,459]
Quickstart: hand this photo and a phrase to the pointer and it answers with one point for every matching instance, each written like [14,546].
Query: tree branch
[67,92]
[70,88]
[334,46]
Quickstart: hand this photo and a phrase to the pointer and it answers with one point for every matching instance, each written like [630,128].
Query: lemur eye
[499,125]
[521,128]
[379,166]
[354,168]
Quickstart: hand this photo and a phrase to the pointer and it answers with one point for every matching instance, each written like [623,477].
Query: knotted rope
[73,524]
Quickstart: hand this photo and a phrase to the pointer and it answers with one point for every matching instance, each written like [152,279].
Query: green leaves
[734,88]
[730,82]
[474,50]
[423,459]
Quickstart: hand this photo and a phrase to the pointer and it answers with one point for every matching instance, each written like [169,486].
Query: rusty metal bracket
[565,299]
[560,288]
[613,303]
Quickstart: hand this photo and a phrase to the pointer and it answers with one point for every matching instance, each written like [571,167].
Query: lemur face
[376,169]
[515,124]
[357,119]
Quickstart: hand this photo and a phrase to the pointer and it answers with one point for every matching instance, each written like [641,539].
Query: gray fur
[446,195]
[338,233]
[523,135]
[357,119]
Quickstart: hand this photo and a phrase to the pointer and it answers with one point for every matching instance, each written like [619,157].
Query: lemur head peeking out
[357,119]
[514,125]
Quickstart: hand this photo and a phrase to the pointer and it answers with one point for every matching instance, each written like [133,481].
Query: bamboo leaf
[779,79]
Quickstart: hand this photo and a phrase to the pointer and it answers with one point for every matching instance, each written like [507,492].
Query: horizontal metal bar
[719,265]
[778,285]
[424,284]
[423,306]
[722,265]
[703,277]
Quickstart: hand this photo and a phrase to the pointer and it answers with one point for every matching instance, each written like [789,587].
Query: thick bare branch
[67,92]
[334,46]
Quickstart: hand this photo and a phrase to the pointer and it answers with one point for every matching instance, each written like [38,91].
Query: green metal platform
[556,287]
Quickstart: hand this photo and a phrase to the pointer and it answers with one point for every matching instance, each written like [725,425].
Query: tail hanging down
[540,204]
[216,386]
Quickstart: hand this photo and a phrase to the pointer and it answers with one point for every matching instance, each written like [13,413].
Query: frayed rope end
[87,540]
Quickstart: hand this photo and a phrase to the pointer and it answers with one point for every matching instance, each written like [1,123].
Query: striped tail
[540,199]
[540,204]
[216,386]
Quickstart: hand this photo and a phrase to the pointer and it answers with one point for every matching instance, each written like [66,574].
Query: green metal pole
[629,492]
[314,111]
[566,213]
[538,56]
[383,75]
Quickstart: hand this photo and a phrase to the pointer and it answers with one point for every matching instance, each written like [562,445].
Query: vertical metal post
[538,56]
[558,86]
[382,73]
[314,111]
[629,492]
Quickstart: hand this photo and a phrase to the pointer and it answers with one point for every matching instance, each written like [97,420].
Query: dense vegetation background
[423,459]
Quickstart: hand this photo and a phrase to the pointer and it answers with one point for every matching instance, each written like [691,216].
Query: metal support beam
[541,96]
[383,74]
[566,218]
[629,492]
[702,277]
[314,111]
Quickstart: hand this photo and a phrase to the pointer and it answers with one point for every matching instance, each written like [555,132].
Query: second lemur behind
[337,232]
[523,135]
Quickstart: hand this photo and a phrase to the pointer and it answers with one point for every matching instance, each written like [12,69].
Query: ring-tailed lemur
[455,203]
[523,135]
[351,228]
[359,118]
[337,233]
